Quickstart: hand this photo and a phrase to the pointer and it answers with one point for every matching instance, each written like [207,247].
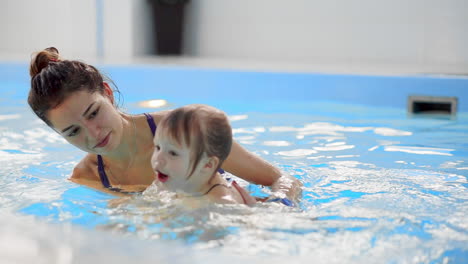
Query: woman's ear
[108,92]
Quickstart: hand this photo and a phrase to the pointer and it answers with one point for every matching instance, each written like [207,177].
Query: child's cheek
[153,161]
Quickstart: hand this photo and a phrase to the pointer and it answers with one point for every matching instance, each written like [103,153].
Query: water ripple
[419,150]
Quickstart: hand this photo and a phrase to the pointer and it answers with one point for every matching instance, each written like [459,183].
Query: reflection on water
[420,150]
[387,189]
[24,240]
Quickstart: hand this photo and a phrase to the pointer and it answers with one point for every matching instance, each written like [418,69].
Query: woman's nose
[94,130]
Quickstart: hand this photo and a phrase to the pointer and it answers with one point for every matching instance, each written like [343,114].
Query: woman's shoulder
[85,173]
[86,169]
[157,116]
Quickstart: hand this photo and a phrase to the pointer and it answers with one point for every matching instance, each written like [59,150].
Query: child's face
[172,165]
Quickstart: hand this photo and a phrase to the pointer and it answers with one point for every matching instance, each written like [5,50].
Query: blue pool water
[380,186]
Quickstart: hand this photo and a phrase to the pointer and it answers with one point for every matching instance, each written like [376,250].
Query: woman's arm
[252,168]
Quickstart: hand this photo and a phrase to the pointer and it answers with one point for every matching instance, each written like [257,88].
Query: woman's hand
[287,187]
[254,169]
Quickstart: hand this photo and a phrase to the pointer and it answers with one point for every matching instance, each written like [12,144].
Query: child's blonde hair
[202,128]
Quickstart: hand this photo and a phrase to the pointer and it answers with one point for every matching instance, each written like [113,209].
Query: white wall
[127,29]
[71,26]
[392,32]
[143,43]
[28,25]
[417,32]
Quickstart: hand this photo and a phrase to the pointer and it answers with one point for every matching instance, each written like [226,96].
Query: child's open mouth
[162,177]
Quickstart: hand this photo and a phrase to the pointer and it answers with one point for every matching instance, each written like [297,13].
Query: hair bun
[42,59]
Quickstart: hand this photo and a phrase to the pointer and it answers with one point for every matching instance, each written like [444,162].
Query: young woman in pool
[190,146]
[73,99]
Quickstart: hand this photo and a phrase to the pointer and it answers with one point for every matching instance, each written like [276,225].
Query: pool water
[379,186]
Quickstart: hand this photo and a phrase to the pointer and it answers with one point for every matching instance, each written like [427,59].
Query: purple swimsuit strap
[151,123]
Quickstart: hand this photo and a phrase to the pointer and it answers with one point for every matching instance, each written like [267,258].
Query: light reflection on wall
[156,103]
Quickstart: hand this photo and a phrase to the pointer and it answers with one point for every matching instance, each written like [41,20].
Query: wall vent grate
[438,105]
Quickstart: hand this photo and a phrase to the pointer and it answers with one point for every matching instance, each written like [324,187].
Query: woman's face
[89,121]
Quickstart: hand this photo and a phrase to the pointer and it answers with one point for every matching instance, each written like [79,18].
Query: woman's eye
[172,153]
[94,114]
[74,132]
[157,147]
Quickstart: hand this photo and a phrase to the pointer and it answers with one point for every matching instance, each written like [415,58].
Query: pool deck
[350,66]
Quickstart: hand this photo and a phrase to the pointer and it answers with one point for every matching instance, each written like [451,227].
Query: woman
[73,98]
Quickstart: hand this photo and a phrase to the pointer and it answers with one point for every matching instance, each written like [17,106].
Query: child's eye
[74,132]
[172,153]
[157,147]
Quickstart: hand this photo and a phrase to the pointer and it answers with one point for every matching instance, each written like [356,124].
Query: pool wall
[144,82]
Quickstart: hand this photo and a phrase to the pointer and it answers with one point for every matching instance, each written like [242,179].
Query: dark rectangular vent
[432,105]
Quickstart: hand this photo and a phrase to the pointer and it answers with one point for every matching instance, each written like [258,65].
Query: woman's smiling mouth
[103,142]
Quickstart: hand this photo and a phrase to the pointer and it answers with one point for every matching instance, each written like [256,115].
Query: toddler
[190,145]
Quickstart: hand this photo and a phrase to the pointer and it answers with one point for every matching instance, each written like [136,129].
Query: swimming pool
[379,185]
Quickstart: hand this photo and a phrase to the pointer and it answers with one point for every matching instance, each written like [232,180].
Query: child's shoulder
[222,193]
[244,195]
[231,194]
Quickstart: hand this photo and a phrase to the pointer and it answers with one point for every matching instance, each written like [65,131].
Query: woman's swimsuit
[102,172]
[284,201]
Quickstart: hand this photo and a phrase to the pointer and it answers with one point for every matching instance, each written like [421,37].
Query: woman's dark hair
[54,79]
